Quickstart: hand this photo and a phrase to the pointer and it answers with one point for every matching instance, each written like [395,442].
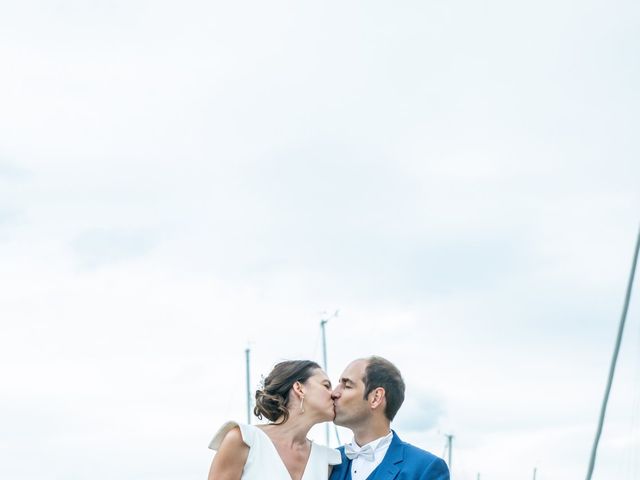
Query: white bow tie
[353,452]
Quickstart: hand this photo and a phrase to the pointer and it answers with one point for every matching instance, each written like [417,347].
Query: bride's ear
[298,388]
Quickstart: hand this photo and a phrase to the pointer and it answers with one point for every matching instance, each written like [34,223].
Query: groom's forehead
[354,372]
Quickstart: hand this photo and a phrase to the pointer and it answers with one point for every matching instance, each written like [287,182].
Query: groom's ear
[377,397]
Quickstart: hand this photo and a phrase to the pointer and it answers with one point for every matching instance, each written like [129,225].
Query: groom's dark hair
[380,372]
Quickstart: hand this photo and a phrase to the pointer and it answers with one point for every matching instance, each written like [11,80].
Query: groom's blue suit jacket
[401,462]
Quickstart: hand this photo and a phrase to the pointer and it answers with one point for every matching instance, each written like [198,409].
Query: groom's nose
[335,394]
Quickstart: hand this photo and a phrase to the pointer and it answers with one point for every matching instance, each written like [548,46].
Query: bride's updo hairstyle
[272,399]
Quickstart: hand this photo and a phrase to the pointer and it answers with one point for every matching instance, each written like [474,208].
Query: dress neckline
[284,466]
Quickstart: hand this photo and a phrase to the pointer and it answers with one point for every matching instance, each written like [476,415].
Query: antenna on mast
[323,322]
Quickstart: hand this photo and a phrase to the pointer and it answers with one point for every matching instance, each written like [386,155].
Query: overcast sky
[181,180]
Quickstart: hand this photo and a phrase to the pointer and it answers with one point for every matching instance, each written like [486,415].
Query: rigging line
[630,464]
[614,359]
[634,461]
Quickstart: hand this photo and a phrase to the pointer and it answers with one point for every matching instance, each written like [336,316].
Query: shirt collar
[377,444]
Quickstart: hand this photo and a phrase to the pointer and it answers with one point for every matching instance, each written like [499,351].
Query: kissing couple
[296,395]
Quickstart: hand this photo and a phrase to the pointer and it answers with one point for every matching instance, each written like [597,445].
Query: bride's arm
[229,462]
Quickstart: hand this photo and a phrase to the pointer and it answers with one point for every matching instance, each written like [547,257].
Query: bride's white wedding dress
[264,462]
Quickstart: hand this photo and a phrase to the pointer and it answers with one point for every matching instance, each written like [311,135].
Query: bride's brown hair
[273,397]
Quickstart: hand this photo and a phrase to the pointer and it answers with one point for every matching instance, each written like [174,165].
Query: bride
[296,395]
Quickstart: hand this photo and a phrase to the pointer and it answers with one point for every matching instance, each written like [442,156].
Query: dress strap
[247,432]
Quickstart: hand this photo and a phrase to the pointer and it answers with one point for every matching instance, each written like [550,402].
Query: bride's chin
[329,417]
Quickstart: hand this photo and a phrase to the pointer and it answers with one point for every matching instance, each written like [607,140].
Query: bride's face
[317,397]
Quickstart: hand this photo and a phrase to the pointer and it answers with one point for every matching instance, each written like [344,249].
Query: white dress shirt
[362,466]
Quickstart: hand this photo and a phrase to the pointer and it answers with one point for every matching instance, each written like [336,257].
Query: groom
[366,399]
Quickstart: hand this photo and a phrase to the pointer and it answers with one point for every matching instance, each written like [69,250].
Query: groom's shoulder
[418,453]
[415,454]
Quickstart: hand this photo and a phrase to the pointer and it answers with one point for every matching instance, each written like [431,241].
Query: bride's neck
[293,432]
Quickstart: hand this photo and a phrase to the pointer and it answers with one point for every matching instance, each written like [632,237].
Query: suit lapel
[343,470]
[391,463]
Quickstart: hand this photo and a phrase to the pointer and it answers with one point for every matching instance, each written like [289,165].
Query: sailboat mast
[323,324]
[247,353]
[450,448]
[324,359]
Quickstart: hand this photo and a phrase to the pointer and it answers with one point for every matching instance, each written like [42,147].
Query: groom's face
[348,397]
